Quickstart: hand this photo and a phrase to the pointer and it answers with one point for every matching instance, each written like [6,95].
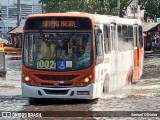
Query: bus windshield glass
[58,51]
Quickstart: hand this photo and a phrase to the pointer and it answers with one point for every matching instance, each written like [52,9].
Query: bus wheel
[106,84]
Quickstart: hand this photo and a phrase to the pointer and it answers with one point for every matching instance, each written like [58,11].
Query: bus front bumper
[87,92]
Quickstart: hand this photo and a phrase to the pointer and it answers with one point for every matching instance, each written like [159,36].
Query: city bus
[77,55]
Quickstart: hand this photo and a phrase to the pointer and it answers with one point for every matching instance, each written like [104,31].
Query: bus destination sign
[58,23]
[46,24]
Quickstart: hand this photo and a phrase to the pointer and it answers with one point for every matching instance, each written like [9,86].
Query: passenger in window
[48,48]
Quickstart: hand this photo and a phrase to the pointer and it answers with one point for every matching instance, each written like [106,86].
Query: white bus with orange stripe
[79,55]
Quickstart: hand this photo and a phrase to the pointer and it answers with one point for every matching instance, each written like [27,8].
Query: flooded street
[143,96]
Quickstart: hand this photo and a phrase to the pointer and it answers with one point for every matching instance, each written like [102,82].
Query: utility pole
[118,7]
[42,7]
[18,13]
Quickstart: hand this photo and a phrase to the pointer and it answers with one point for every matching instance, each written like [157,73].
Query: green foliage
[66,5]
[91,6]
[152,7]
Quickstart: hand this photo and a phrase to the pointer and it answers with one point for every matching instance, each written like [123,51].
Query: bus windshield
[58,51]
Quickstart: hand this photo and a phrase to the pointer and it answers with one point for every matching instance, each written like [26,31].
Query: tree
[92,6]
[65,5]
[124,5]
[152,8]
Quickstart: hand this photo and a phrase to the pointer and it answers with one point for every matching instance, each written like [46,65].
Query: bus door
[136,54]
[107,48]
[107,56]
[114,52]
[99,69]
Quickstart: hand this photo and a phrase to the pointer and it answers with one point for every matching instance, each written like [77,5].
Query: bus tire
[106,84]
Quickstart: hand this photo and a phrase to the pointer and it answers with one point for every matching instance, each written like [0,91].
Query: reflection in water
[13,75]
[12,103]
[10,92]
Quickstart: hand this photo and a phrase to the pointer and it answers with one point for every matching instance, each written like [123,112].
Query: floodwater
[143,96]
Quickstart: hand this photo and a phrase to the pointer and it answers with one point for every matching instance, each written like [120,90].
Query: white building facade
[134,11]
[9,13]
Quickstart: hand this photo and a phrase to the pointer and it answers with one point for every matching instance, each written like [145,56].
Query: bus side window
[113,36]
[120,38]
[106,39]
[99,46]
[136,36]
[130,37]
[124,31]
[140,37]
[125,37]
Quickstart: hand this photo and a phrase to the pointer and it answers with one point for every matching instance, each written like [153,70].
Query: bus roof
[67,14]
[104,19]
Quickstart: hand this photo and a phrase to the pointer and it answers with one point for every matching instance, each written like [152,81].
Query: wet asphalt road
[143,96]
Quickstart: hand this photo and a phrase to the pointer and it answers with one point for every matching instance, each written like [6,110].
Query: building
[134,11]
[14,12]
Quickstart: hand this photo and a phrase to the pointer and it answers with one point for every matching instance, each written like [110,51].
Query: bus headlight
[27,79]
[86,80]
[89,79]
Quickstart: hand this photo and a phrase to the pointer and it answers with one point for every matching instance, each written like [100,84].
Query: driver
[83,46]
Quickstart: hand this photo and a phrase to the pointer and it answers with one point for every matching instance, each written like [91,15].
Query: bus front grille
[56,77]
[56,92]
[56,85]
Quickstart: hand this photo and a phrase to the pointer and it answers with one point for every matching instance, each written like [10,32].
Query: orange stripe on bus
[137,63]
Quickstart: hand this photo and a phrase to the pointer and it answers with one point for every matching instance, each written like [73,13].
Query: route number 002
[47,64]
